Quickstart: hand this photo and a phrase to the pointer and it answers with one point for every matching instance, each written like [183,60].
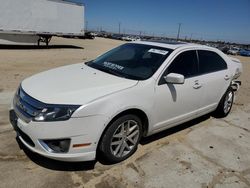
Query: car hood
[73,84]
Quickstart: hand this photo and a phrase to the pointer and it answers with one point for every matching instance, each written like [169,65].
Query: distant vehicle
[245,53]
[131,38]
[233,51]
[135,39]
[34,22]
[224,48]
[126,38]
[94,34]
[107,105]
[117,36]
[89,35]
[102,34]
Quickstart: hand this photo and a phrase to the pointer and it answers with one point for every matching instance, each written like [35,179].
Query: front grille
[25,106]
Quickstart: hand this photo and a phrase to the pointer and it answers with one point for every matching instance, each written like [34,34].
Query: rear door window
[210,62]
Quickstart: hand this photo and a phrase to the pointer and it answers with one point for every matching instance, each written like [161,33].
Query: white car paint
[103,96]
[64,85]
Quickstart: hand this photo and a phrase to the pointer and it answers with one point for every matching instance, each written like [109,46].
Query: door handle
[197,85]
[227,77]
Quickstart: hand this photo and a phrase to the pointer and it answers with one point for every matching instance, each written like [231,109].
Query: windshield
[132,61]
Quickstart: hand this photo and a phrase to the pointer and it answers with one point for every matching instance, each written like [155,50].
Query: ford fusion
[107,105]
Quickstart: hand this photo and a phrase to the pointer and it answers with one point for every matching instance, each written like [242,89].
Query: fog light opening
[56,146]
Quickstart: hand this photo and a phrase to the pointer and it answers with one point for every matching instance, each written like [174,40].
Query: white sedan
[106,105]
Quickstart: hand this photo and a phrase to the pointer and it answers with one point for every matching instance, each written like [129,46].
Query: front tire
[225,104]
[121,138]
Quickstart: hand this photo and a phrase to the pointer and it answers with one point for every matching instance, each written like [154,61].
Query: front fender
[139,97]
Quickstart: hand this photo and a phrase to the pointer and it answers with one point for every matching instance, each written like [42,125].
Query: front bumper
[236,85]
[78,130]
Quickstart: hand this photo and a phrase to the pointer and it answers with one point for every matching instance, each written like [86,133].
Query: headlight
[56,113]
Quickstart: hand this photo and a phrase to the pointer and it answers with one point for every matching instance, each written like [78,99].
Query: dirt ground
[206,152]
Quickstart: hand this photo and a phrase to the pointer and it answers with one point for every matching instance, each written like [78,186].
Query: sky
[226,20]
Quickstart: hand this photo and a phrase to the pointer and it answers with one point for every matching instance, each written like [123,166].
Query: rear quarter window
[210,62]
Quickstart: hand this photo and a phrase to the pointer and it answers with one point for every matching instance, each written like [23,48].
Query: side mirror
[174,78]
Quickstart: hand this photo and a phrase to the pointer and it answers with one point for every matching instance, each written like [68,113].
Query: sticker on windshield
[157,51]
[113,66]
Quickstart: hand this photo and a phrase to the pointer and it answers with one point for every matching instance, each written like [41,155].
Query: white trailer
[35,21]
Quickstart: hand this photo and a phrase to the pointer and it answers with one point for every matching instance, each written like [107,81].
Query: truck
[37,21]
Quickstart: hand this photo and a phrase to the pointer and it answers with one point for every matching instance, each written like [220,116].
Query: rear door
[214,78]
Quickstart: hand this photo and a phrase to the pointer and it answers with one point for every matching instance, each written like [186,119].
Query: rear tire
[225,104]
[121,138]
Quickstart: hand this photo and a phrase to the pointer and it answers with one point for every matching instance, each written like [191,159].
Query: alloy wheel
[228,102]
[125,138]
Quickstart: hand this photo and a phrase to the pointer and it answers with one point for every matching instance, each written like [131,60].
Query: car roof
[168,44]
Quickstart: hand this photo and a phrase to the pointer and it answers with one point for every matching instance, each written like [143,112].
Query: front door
[176,103]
